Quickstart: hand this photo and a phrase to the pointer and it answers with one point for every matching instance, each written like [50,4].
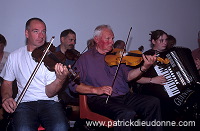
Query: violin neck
[134,54]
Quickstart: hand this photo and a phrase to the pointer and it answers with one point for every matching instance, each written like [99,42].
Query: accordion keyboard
[171,84]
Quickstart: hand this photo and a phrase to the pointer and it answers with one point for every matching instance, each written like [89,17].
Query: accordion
[181,74]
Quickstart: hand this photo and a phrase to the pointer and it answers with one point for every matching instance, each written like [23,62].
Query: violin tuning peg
[141,48]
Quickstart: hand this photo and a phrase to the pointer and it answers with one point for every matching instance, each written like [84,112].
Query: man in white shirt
[40,103]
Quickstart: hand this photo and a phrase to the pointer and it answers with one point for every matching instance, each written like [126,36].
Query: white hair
[99,29]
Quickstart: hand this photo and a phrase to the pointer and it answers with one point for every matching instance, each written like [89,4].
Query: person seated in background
[150,79]
[171,41]
[67,47]
[196,54]
[114,100]
[90,43]
[39,105]
[153,84]
[3,54]
[3,59]
[150,83]
[120,44]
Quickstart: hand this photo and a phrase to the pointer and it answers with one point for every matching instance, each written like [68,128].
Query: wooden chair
[86,113]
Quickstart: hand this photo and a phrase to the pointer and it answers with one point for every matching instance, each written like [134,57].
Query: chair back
[86,113]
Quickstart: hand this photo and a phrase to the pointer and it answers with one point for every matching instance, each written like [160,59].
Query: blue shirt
[94,71]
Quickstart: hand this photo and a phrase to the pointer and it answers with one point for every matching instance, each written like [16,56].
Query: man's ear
[26,33]
[153,42]
[62,39]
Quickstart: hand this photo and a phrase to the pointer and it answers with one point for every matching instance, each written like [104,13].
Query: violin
[52,58]
[72,54]
[132,58]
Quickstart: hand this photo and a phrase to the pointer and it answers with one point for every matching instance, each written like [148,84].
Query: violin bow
[118,66]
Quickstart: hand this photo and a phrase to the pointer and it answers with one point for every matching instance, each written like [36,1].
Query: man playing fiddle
[40,103]
[67,47]
[96,80]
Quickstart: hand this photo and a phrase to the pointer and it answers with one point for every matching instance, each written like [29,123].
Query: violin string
[118,66]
